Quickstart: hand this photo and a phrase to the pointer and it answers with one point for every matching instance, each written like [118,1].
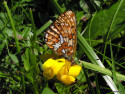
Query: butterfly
[61,36]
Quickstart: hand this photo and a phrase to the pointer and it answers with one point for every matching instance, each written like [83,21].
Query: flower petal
[48,73]
[62,69]
[67,80]
[65,69]
[57,66]
[51,68]
[49,63]
[74,70]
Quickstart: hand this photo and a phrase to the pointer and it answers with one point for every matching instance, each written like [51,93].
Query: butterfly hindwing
[61,35]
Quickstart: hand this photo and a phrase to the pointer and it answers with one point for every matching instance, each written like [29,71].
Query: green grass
[100,47]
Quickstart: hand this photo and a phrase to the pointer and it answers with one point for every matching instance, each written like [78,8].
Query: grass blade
[95,59]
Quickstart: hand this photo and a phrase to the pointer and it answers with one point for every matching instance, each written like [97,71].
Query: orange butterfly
[61,36]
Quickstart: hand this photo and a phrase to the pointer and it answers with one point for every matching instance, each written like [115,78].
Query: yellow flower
[67,79]
[74,70]
[51,67]
[62,69]
[48,73]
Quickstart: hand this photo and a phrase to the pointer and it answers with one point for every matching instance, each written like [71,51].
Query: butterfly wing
[61,35]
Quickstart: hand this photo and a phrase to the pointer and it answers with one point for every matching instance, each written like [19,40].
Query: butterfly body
[61,36]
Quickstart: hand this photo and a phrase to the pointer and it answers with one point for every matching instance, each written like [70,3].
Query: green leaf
[121,88]
[14,58]
[81,76]
[2,43]
[102,70]
[62,89]
[26,61]
[47,90]
[101,22]
[8,31]
[2,74]
[26,32]
[47,24]
[84,6]
[118,23]
[94,59]
[30,77]
[79,16]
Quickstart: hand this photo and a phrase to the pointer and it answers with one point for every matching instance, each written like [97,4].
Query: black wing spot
[72,26]
[65,45]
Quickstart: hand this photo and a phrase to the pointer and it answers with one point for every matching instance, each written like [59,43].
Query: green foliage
[47,90]
[100,26]
[101,22]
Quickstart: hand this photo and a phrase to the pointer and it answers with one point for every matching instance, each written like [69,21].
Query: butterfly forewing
[61,35]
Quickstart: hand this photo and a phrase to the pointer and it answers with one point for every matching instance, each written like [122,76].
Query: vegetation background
[101,32]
